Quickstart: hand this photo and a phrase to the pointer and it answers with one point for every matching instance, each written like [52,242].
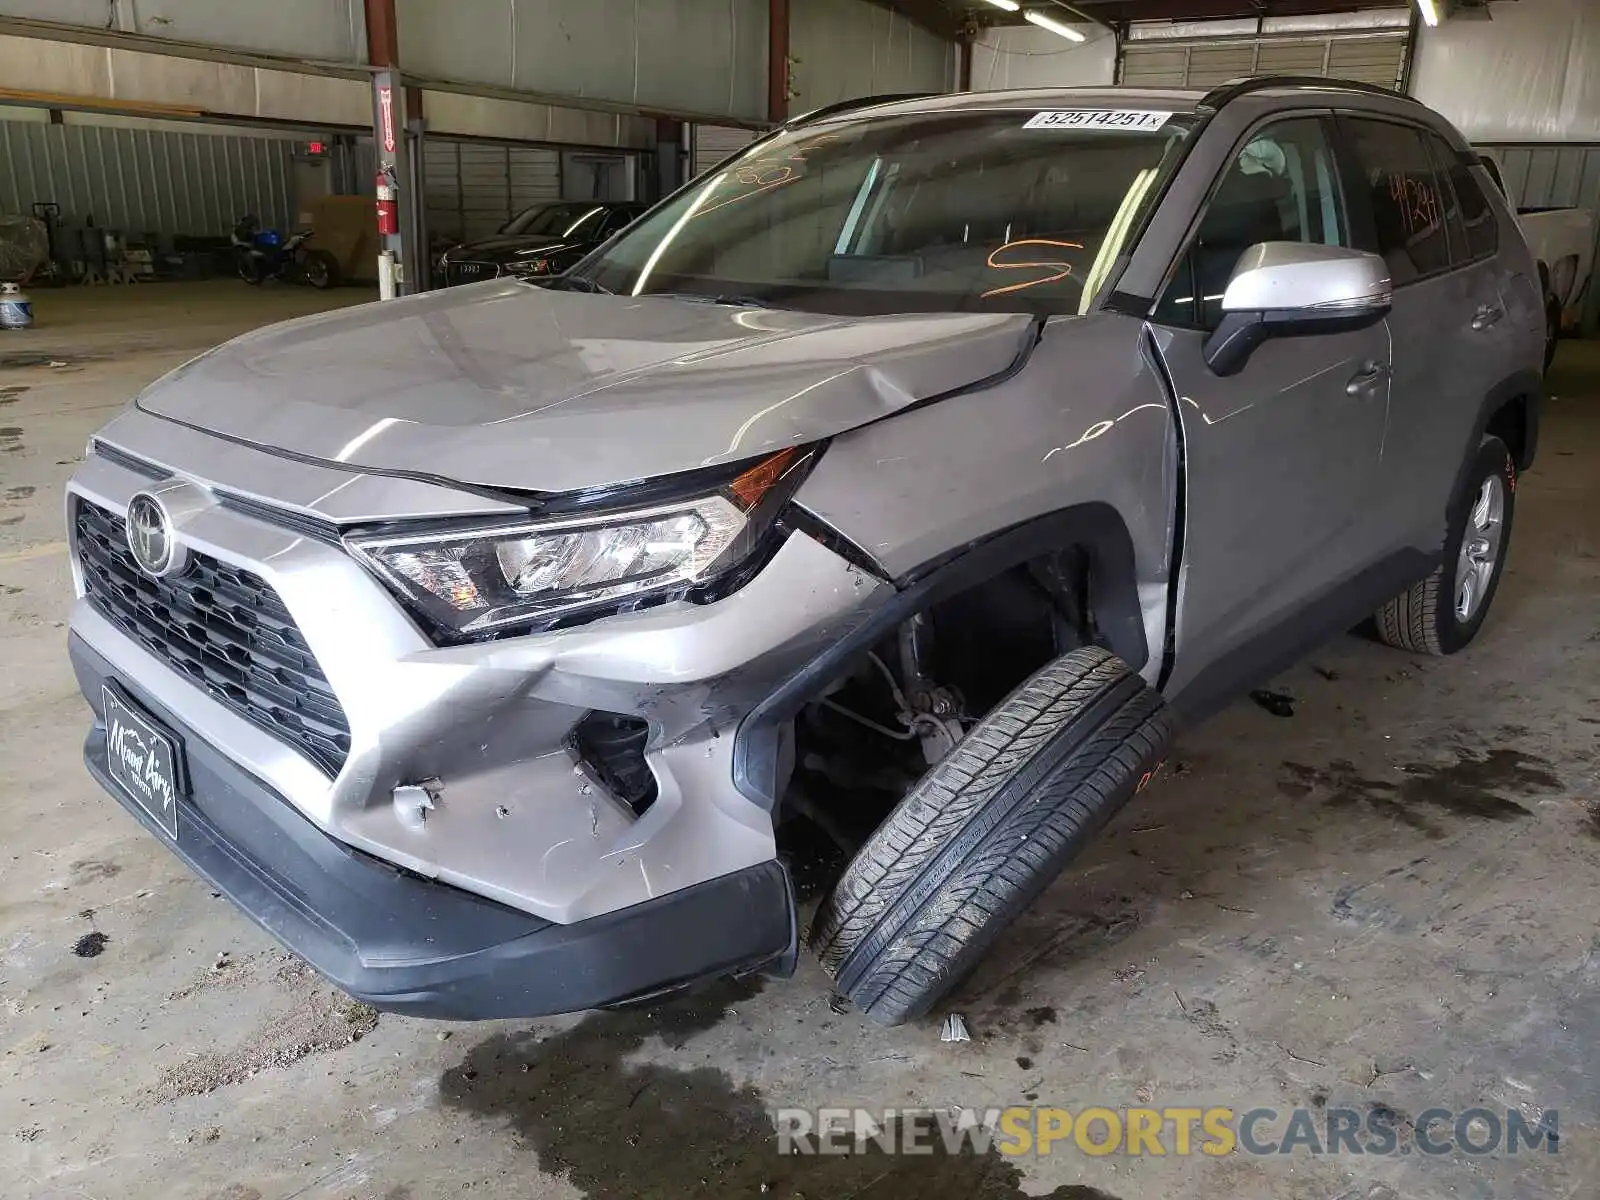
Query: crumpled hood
[507,385]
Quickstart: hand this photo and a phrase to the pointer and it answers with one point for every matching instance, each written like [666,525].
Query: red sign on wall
[386,117]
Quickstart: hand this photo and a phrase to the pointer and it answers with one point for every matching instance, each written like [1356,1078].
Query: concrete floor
[1387,899]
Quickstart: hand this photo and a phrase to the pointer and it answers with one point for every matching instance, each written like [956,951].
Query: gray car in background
[903,483]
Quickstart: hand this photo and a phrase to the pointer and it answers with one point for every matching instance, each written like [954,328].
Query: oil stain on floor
[1476,785]
[620,1130]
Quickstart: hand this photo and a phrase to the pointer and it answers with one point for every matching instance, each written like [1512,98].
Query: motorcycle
[263,254]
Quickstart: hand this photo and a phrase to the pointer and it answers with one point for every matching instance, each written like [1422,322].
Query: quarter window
[1479,228]
[1282,187]
[1409,206]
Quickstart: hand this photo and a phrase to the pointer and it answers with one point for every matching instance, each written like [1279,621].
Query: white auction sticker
[1131,119]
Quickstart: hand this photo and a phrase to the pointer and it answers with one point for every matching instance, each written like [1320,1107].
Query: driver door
[1283,457]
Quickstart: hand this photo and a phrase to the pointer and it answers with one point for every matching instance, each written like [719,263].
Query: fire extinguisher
[388,205]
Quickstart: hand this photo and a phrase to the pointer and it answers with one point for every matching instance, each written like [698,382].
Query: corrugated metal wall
[713,143]
[1555,176]
[146,181]
[847,48]
[1546,176]
[317,29]
[1531,74]
[1012,57]
[1369,58]
[701,57]
[473,188]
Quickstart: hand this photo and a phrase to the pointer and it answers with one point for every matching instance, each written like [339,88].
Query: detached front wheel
[985,831]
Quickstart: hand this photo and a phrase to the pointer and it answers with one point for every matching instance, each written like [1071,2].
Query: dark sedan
[543,240]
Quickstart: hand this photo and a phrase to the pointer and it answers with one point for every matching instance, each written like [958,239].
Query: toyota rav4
[907,479]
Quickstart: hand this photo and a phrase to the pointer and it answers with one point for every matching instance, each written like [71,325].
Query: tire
[250,270]
[320,270]
[1428,617]
[1552,331]
[985,831]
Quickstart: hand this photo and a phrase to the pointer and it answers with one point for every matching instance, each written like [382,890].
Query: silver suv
[903,482]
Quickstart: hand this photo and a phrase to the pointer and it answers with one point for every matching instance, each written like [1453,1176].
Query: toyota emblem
[151,539]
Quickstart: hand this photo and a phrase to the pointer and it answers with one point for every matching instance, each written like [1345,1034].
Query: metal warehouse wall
[713,143]
[846,48]
[135,79]
[475,188]
[1543,176]
[332,30]
[1012,57]
[1546,176]
[1529,74]
[706,57]
[145,181]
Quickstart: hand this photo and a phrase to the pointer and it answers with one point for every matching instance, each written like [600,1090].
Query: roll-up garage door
[1367,57]
[713,143]
[473,188]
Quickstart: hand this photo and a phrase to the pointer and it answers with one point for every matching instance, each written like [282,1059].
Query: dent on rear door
[1085,422]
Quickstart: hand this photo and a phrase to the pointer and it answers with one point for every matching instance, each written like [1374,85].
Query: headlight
[537,573]
[528,266]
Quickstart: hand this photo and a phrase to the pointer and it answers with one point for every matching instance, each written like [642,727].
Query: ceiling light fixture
[1430,14]
[1066,31]
[1008,5]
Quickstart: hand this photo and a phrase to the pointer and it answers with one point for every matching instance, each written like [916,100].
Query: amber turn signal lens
[747,490]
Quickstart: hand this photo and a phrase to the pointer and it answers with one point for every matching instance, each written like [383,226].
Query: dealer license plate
[145,760]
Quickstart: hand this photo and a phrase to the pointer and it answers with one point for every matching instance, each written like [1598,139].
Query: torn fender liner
[512,386]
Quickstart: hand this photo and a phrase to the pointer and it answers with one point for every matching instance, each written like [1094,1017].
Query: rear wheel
[320,269]
[985,831]
[1444,612]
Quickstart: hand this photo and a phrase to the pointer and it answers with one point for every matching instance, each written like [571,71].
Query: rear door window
[1408,199]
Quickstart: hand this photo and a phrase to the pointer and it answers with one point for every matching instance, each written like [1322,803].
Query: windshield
[991,211]
[556,220]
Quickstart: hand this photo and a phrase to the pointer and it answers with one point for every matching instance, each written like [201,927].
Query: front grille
[224,628]
[471,272]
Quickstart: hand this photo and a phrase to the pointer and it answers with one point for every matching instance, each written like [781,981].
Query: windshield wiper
[577,283]
[703,298]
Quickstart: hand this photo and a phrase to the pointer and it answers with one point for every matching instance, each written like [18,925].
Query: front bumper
[407,944]
[518,822]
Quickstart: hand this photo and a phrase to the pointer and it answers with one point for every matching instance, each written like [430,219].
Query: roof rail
[1232,90]
[844,106]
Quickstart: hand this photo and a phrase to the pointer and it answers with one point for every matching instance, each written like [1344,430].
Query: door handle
[1372,371]
[1487,315]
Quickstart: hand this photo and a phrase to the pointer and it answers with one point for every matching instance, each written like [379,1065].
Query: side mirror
[1291,289]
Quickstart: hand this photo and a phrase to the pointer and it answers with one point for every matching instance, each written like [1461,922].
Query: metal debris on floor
[955,1029]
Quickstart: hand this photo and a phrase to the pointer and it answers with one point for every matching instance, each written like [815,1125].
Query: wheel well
[1088,546]
[860,744]
[1509,423]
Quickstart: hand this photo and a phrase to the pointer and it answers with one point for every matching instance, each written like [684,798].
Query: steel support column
[402,262]
[777,61]
[671,146]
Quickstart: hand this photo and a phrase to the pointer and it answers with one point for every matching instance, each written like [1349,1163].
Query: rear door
[1447,319]
[1282,457]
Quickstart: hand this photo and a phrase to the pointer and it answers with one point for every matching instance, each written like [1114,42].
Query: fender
[761,751]
[1526,386]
